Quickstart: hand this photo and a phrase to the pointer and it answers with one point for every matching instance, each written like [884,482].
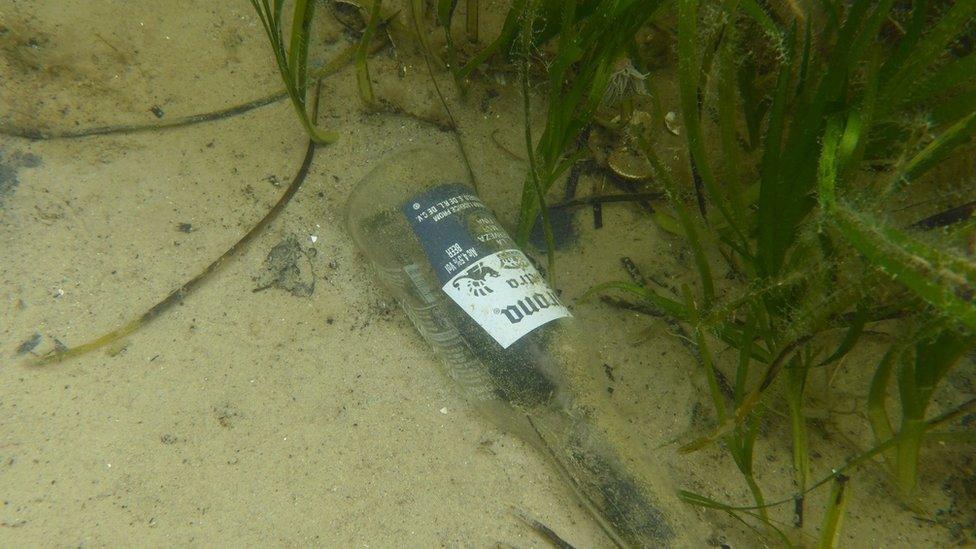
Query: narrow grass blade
[958,134]
[834,516]
[293,62]
[797,377]
[699,500]
[501,43]
[689,73]
[765,22]
[928,49]
[528,18]
[924,270]
[937,276]
[471,20]
[770,237]
[951,75]
[852,336]
[749,402]
[298,59]
[362,52]
[687,225]
[664,304]
[718,400]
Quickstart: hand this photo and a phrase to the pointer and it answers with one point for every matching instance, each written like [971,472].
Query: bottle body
[473,295]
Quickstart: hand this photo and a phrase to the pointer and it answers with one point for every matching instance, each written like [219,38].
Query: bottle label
[479,265]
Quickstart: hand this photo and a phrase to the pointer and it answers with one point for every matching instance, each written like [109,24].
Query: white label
[505,295]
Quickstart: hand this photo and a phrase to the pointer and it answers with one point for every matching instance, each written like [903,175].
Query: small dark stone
[29,344]
[10,165]
[25,159]
[288,267]
[168,439]
[490,94]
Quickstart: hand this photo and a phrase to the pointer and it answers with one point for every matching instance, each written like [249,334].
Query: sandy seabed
[304,413]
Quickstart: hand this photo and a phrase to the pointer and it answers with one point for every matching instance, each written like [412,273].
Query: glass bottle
[499,331]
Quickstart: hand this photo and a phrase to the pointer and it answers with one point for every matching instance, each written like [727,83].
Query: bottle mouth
[389,159]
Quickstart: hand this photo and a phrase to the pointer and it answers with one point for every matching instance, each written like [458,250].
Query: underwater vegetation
[802,148]
[842,131]
[814,132]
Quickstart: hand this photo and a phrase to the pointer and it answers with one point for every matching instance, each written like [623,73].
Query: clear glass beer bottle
[496,326]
